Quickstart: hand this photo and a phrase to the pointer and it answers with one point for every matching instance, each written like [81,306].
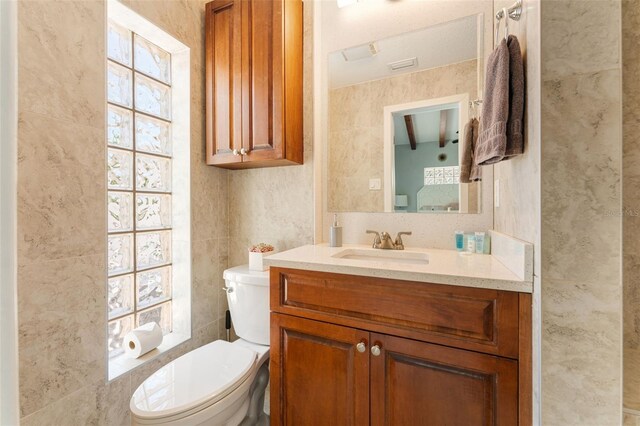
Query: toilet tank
[248,296]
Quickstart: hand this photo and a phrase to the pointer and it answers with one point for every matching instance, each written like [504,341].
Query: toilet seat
[193,382]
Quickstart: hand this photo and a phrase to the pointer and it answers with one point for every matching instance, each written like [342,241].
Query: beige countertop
[443,267]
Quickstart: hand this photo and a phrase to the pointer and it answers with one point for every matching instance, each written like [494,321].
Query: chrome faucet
[383,240]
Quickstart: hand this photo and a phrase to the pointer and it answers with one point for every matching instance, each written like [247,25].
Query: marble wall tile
[581,203]
[274,206]
[207,334]
[171,17]
[631,202]
[204,278]
[53,77]
[209,205]
[223,262]
[62,328]
[457,78]
[581,353]
[580,36]
[581,200]
[388,91]
[61,189]
[96,404]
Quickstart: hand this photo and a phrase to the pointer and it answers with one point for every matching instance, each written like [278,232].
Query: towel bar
[514,12]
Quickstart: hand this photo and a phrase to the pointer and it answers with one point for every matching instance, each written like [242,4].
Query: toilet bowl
[220,383]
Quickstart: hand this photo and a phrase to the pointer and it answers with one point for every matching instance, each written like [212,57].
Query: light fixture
[362,51]
[345,3]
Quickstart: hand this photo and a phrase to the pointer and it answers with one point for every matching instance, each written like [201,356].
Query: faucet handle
[399,244]
[376,240]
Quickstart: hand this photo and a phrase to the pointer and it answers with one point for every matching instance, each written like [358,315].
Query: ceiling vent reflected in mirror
[358,53]
[405,63]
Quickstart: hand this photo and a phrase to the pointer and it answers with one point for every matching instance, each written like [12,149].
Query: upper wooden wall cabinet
[254,83]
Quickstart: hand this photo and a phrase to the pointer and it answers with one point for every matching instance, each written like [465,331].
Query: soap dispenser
[335,233]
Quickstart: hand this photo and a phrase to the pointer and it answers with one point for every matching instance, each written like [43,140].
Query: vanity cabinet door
[318,375]
[223,32]
[416,383]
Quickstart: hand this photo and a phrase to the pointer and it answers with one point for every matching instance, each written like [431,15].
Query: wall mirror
[397,108]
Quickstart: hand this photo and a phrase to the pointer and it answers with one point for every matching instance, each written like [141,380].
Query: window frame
[180,261]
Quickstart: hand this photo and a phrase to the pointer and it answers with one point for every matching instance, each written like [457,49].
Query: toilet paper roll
[143,339]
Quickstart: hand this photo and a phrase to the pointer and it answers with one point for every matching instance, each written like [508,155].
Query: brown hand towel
[492,141]
[476,171]
[515,141]
[469,170]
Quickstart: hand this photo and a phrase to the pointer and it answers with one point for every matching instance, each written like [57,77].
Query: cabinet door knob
[375,350]
[361,347]
[235,152]
[244,151]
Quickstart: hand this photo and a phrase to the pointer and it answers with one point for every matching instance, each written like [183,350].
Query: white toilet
[220,383]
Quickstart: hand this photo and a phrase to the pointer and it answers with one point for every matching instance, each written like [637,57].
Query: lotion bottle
[335,233]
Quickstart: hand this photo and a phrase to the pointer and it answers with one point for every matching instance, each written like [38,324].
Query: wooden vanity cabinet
[351,350]
[253,62]
[328,383]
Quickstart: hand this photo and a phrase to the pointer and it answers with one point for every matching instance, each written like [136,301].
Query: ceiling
[435,46]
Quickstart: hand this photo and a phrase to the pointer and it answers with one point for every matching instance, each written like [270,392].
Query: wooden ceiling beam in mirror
[408,121]
[443,127]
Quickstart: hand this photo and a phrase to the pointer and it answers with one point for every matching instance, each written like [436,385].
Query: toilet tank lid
[242,274]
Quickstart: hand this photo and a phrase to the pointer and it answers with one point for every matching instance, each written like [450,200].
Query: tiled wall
[62,214]
[631,197]
[581,167]
[275,205]
[569,178]
[356,143]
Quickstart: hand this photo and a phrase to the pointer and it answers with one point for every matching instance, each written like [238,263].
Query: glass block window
[441,175]
[139,185]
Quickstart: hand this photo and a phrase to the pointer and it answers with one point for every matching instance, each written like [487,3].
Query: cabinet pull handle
[227,289]
[361,347]
[375,350]
[235,152]
[244,151]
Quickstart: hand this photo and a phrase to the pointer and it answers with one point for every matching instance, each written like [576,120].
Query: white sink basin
[378,255]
